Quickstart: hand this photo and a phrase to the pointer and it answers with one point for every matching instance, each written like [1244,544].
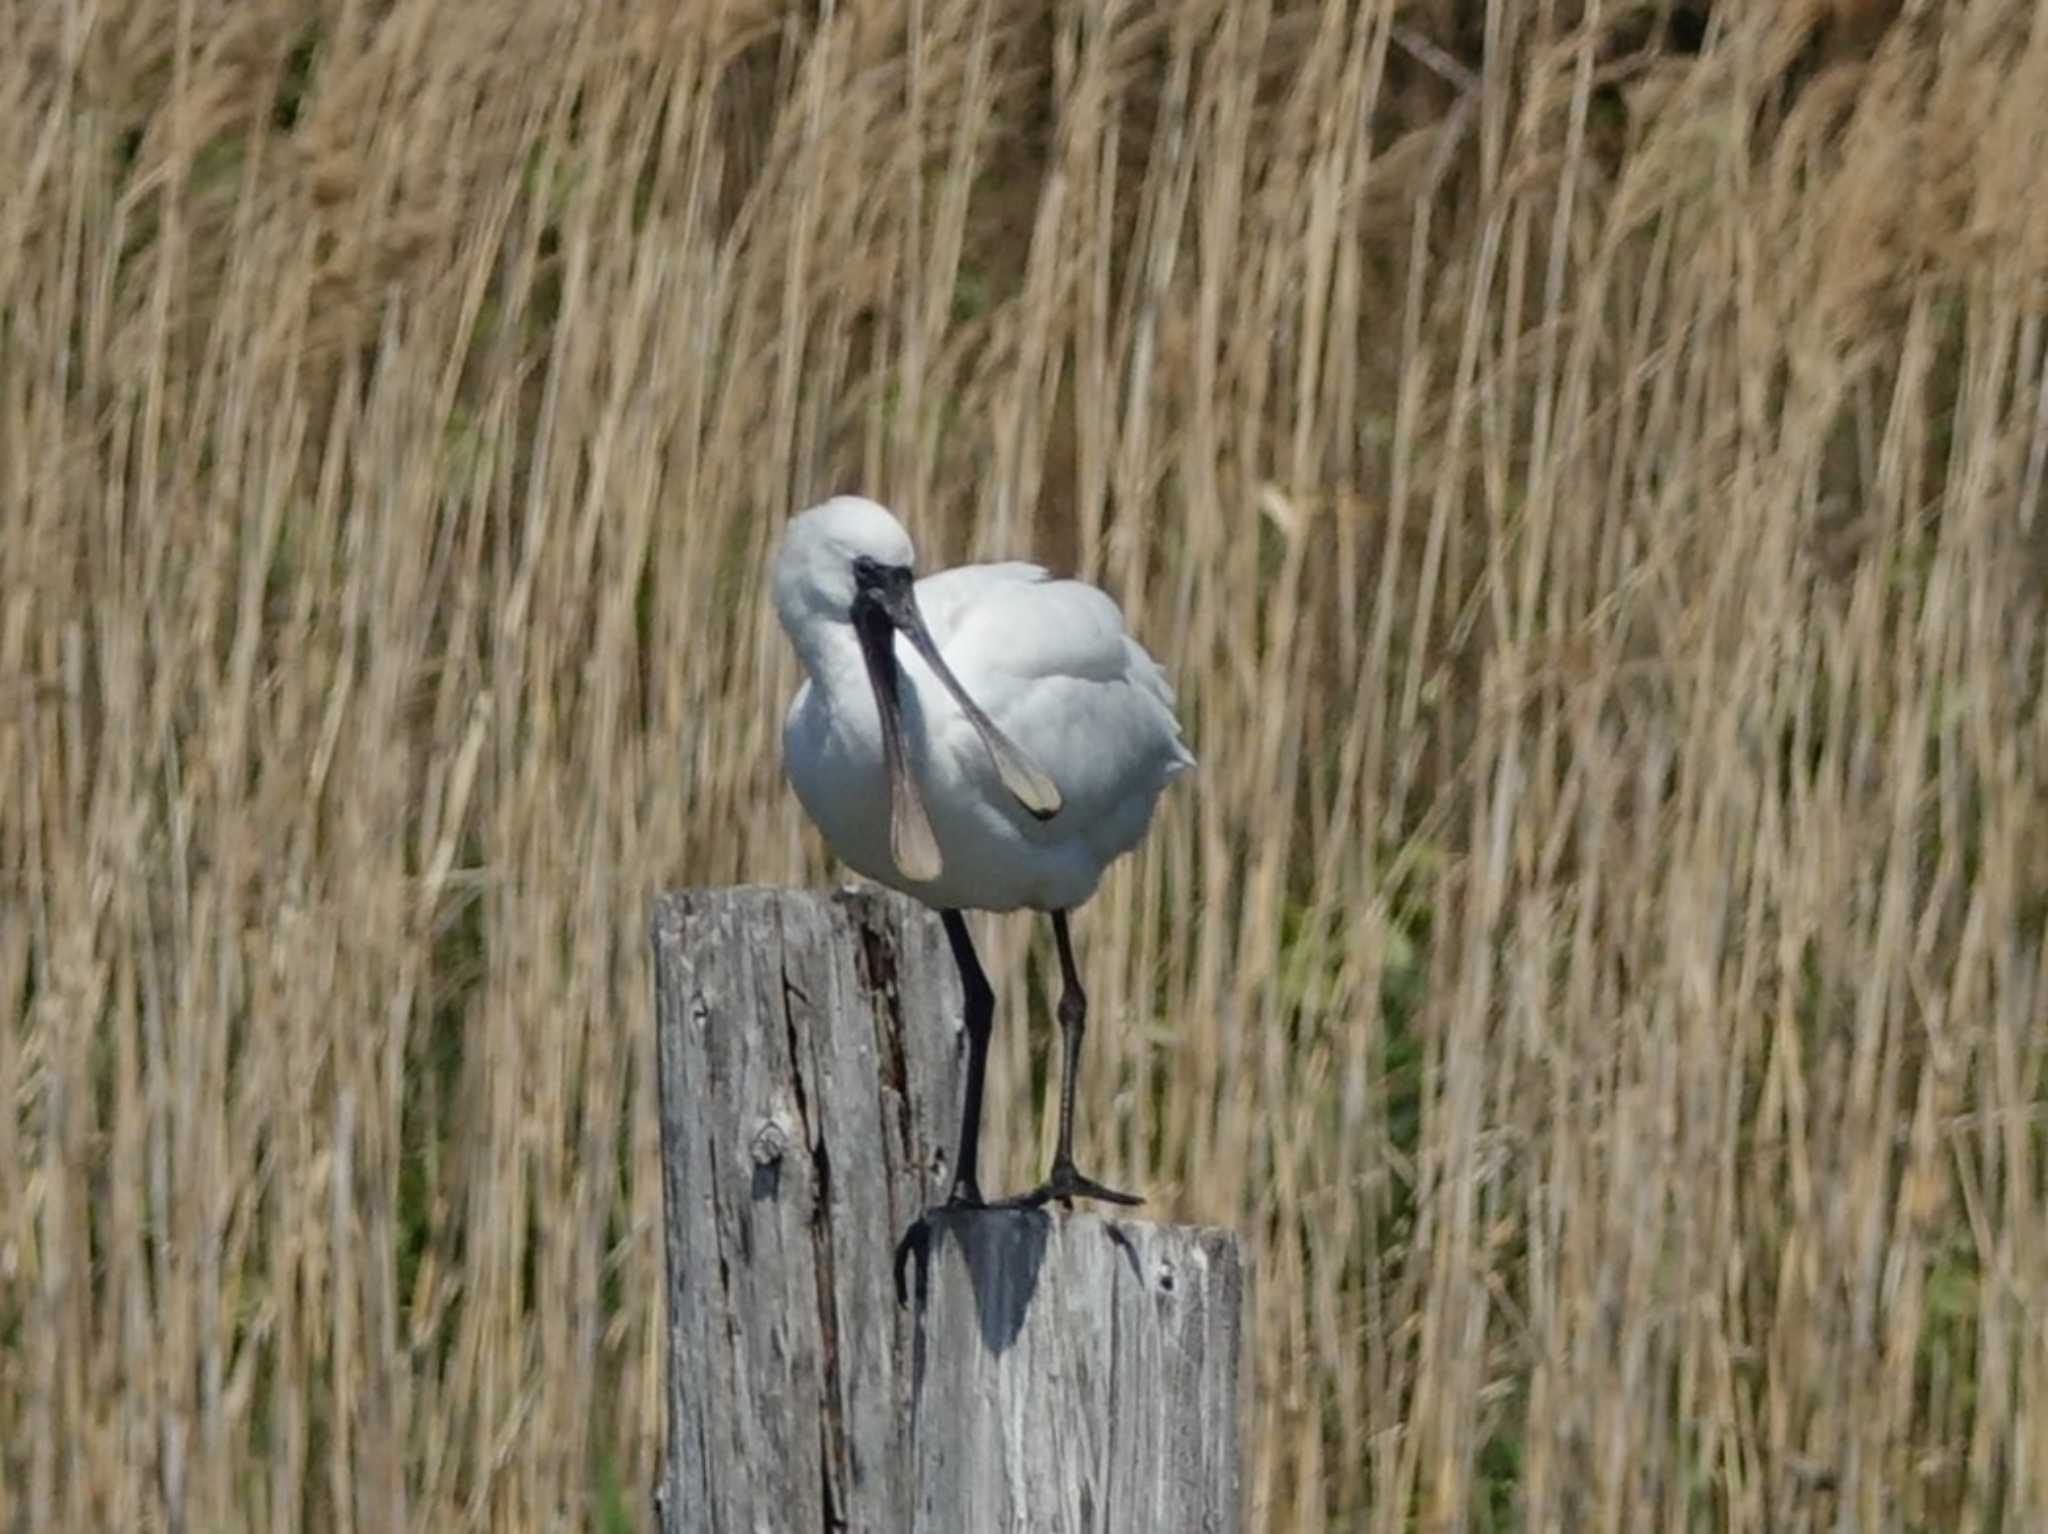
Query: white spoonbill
[1002,759]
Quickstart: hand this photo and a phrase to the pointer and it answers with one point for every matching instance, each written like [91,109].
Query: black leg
[980,1014]
[1066,1183]
[1073,1015]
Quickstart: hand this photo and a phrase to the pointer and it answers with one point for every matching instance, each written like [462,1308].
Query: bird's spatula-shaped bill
[1029,784]
[876,615]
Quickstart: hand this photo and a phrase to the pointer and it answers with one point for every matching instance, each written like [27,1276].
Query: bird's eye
[865,571]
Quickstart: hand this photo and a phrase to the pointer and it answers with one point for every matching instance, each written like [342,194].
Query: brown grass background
[1582,464]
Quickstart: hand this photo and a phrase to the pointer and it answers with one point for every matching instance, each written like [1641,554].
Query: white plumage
[1048,660]
[1005,753]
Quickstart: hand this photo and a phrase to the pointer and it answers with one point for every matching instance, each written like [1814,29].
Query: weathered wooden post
[1053,1372]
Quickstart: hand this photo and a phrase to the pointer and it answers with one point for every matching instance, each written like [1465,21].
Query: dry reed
[1588,491]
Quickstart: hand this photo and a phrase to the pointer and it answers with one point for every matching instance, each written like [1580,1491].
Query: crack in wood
[831,1386]
[878,975]
[1058,1371]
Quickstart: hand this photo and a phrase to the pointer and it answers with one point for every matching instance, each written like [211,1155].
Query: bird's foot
[1064,1186]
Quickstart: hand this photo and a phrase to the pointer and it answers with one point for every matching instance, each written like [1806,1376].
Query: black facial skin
[887,590]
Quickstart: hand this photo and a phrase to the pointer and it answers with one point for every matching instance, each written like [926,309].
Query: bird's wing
[1017,622]
[948,598]
[1052,664]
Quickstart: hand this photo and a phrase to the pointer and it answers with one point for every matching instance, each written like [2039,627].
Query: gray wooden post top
[1052,1371]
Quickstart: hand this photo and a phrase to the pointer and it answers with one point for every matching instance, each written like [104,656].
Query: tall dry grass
[1589,494]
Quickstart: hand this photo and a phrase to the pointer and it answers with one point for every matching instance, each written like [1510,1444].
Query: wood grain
[1053,1371]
